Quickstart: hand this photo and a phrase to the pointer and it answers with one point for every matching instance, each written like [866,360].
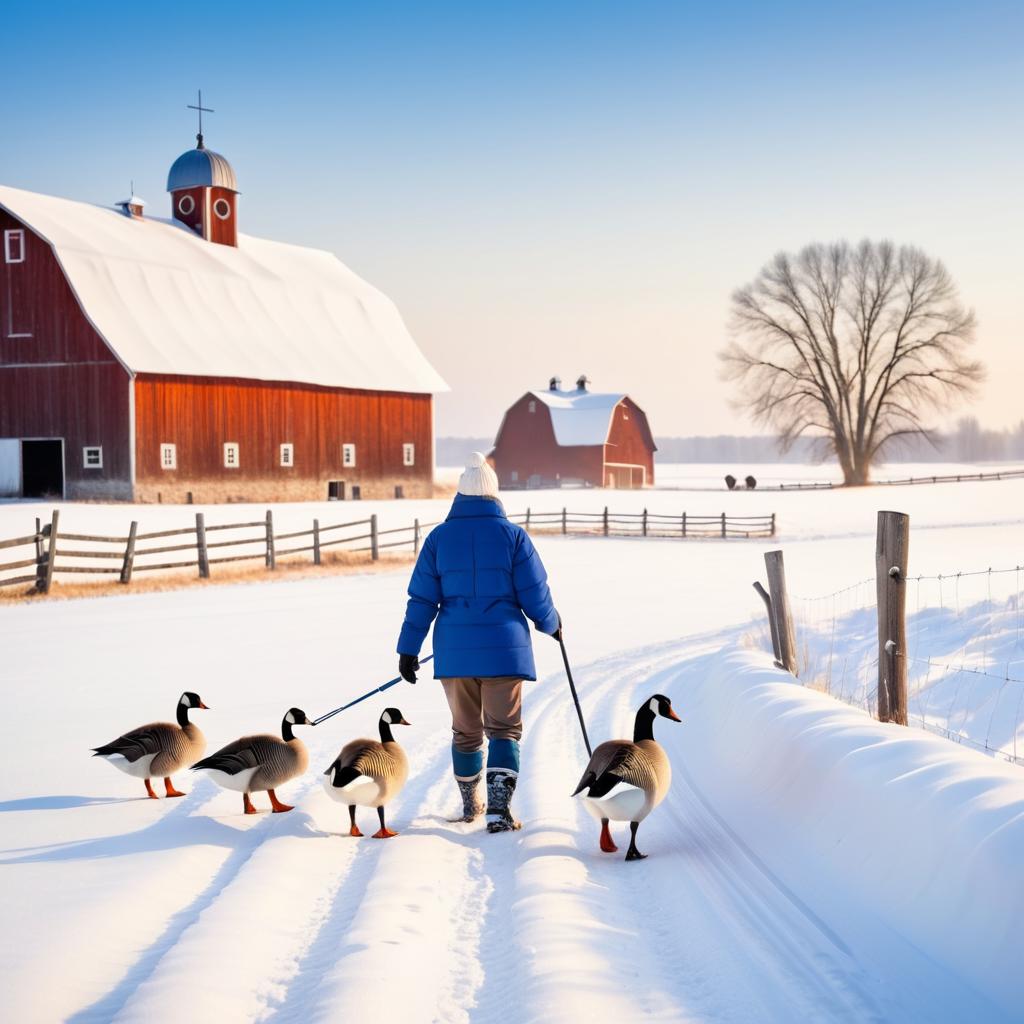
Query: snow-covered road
[764,898]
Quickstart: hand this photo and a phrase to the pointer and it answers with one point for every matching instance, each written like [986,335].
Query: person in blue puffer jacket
[480,576]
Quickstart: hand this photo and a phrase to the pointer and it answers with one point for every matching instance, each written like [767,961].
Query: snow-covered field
[809,864]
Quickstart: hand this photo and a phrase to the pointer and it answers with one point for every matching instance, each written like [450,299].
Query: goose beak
[671,714]
[205,707]
[404,722]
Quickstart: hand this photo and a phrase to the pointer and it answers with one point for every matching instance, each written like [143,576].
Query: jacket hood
[467,506]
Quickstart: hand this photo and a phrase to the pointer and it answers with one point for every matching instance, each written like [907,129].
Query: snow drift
[872,818]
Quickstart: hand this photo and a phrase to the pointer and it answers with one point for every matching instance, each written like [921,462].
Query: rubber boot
[501,784]
[472,805]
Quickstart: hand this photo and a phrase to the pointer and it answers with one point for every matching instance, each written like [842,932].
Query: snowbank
[871,818]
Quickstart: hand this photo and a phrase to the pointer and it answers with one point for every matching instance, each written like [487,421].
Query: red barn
[176,359]
[578,438]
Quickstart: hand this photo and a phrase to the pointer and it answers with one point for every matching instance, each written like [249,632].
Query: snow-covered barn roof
[168,302]
[579,417]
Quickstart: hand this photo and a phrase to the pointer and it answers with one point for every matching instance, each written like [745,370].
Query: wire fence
[965,653]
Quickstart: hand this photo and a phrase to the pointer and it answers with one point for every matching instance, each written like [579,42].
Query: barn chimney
[582,381]
[555,384]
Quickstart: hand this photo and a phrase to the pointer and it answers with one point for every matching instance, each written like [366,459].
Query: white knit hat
[478,479]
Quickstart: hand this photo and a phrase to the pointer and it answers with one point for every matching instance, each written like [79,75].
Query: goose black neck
[643,727]
[385,732]
[286,731]
[182,714]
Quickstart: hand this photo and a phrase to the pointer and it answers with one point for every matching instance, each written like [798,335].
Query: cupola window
[222,208]
[186,204]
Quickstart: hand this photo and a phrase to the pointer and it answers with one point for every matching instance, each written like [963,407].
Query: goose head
[388,718]
[294,716]
[653,707]
[189,701]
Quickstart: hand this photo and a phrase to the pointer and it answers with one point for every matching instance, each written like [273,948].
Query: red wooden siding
[199,415]
[62,382]
[629,443]
[194,218]
[224,231]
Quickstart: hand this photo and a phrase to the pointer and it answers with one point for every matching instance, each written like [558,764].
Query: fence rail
[50,552]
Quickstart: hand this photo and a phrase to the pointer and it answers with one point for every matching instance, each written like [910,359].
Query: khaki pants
[479,706]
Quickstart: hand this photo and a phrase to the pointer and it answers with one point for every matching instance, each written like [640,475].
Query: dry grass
[337,563]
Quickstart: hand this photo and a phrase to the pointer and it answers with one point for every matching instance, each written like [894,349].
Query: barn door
[10,467]
[42,469]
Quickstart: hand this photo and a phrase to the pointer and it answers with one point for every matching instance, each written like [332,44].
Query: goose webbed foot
[278,807]
[383,832]
[633,853]
[169,787]
[607,843]
[149,791]
[247,804]
[353,827]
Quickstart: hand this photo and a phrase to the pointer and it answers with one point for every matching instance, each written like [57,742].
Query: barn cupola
[555,384]
[581,382]
[133,205]
[204,191]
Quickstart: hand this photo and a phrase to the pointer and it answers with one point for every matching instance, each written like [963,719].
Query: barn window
[231,455]
[532,407]
[348,454]
[287,455]
[92,457]
[186,204]
[515,476]
[168,456]
[14,246]
[222,208]
[408,455]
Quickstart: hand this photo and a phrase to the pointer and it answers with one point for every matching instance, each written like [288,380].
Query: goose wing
[613,762]
[147,739]
[248,752]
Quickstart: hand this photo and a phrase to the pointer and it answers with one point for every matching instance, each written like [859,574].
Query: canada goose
[369,773]
[260,762]
[625,781]
[160,748]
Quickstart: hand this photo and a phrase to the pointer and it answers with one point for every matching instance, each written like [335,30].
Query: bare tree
[852,344]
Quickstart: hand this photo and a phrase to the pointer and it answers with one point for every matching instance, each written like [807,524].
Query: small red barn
[578,438]
[148,359]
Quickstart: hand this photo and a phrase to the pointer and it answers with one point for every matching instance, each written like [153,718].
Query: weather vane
[199,107]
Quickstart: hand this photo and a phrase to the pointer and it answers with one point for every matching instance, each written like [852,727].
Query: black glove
[558,630]
[408,666]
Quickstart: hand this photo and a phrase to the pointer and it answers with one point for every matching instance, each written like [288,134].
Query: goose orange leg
[247,805]
[354,829]
[149,791]
[276,804]
[607,843]
[171,791]
[383,832]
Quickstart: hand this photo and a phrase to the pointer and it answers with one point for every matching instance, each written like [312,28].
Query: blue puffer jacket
[478,573]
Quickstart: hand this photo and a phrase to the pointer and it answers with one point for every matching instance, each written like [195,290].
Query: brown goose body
[159,748]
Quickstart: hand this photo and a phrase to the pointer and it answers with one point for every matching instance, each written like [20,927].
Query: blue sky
[557,188]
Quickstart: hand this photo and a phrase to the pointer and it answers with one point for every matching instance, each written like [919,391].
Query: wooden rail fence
[49,551]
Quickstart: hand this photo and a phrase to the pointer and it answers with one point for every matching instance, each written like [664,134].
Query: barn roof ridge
[166,301]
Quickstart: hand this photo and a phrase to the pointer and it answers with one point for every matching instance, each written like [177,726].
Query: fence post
[415,536]
[129,554]
[606,520]
[780,606]
[316,541]
[44,574]
[723,524]
[772,534]
[271,554]
[39,544]
[645,523]
[772,627]
[565,525]
[684,524]
[527,527]
[374,549]
[892,547]
[202,555]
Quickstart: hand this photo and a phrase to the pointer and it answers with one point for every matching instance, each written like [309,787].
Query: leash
[367,696]
[575,697]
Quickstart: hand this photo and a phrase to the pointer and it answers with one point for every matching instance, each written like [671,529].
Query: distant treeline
[967,442]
